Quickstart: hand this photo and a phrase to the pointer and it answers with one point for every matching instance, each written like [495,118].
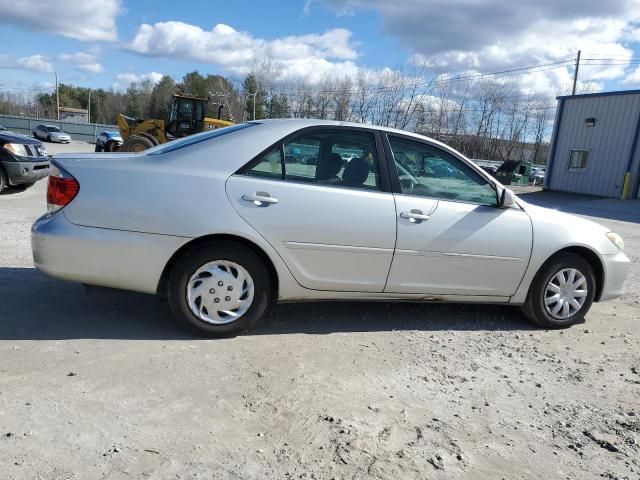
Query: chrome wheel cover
[565,293]
[220,292]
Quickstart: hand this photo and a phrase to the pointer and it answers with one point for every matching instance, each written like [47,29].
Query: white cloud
[37,63]
[312,55]
[632,79]
[87,20]
[123,80]
[33,63]
[83,61]
[492,35]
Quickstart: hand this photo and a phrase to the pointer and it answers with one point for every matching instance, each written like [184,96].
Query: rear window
[197,138]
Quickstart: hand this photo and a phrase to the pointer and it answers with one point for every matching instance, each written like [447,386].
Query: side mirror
[507,198]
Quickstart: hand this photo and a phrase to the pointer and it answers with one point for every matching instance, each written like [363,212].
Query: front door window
[428,171]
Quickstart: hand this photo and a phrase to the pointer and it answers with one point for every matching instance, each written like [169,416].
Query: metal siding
[609,143]
[555,134]
[635,172]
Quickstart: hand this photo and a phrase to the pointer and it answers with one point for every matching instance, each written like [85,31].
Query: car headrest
[329,166]
[356,172]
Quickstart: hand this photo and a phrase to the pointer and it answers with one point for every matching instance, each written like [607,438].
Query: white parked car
[51,133]
[223,226]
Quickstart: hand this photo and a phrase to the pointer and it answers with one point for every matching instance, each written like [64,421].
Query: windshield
[53,129]
[197,138]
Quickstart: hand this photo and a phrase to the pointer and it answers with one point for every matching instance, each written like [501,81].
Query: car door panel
[462,249]
[331,238]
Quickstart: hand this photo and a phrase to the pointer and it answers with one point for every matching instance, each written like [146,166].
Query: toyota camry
[226,222]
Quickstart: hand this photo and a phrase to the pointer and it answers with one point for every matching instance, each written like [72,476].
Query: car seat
[356,172]
[328,169]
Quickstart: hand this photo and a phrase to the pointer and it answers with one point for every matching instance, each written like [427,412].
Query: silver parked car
[223,226]
[51,133]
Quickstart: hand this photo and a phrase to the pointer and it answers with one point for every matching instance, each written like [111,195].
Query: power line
[433,82]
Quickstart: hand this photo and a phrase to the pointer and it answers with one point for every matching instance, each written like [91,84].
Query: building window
[578,160]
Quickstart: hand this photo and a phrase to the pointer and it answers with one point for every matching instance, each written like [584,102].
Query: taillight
[61,190]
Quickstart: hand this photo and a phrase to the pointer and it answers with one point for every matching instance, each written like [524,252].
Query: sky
[110,43]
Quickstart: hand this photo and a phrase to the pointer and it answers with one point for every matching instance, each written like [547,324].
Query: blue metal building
[595,146]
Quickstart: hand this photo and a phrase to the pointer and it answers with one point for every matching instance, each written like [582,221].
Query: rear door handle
[415,216]
[260,199]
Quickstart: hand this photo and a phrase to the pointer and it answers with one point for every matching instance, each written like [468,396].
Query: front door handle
[415,216]
[260,199]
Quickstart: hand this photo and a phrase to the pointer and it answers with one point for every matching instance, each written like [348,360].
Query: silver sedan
[226,222]
[51,133]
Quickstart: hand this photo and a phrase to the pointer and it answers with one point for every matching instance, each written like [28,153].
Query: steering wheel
[407,183]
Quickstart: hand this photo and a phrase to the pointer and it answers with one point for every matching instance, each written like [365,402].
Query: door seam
[395,244]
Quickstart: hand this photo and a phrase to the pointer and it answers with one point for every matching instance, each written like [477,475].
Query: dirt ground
[104,385]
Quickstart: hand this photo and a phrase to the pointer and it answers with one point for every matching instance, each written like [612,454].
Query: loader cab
[186,116]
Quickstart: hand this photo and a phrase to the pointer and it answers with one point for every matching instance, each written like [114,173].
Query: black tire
[199,256]
[534,306]
[111,146]
[4,182]
[98,148]
[136,143]
[48,138]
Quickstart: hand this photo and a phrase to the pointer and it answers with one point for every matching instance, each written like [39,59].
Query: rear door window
[338,158]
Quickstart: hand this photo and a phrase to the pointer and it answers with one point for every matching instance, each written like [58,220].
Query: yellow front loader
[187,116]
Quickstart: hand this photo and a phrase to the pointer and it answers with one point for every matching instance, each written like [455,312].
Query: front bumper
[61,139]
[100,256]
[616,271]
[20,173]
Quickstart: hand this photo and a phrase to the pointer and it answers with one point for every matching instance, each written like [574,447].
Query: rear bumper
[616,271]
[26,172]
[98,256]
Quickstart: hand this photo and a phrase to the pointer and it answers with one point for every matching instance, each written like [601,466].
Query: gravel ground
[104,385]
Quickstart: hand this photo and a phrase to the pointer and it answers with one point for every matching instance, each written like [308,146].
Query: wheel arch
[196,242]
[591,257]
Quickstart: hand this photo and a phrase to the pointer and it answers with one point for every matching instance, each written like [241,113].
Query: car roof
[12,137]
[293,124]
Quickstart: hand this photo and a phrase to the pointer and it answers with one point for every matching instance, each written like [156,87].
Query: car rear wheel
[48,138]
[219,289]
[98,147]
[562,292]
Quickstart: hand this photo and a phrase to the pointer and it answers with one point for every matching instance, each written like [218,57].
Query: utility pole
[89,107]
[57,99]
[575,73]
[254,103]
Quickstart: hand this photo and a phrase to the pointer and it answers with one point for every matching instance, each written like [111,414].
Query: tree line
[486,118]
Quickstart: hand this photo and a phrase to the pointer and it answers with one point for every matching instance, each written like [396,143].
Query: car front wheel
[4,183]
[562,292]
[219,289]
